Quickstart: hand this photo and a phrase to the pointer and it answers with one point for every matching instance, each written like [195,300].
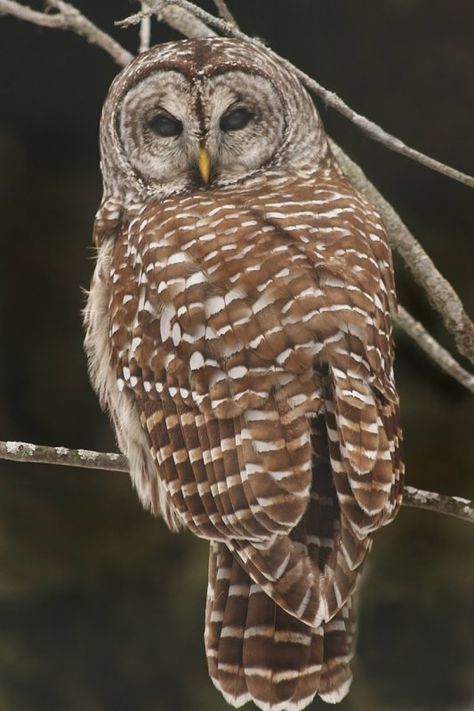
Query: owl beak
[204,164]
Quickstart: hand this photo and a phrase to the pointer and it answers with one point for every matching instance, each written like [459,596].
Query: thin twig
[377,133]
[225,13]
[111,461]
[68,18]
[436,352]
[145,32]
[39,454]
[439,291]
[180,20]
[184,22]
[440,503]
[148,9]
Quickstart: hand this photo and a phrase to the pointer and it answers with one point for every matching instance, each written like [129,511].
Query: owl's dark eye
[165,126]
[235,120]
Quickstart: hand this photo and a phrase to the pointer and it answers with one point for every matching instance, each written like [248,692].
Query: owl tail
[257,652]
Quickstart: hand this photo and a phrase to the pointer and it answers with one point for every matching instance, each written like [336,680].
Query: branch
[377,133]
[145,32]
[180,20]
[428,344]
[111,461]
[184,22]
[225,13]
[430,501]
[439,291]
[39,454]
[68,18]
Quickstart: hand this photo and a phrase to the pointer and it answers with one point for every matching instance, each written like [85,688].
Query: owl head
[202,114]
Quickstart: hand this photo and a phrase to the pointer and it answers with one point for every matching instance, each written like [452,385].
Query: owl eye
[165,126]
[235,120]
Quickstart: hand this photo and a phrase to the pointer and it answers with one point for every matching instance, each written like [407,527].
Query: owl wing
[231,331]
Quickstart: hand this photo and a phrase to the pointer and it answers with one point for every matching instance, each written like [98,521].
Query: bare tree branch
[180,20]
[39,454]
[111,461]
[145,32]
[439,291]
[184,22]
[428,344]
[68,18]
[440,503]
[225,13]
[377,133]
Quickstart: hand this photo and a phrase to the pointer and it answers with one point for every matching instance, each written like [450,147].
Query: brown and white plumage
[239,334]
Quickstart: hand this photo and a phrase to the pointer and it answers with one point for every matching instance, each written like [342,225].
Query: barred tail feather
[336,674]
[226,611]
[258,652]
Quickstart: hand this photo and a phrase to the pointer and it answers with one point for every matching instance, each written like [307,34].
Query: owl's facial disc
[244,121]
[181,135]
[158,128]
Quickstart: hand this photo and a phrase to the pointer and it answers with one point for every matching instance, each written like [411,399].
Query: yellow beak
[204,164]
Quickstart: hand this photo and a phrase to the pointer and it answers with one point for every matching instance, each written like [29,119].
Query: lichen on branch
[112,461]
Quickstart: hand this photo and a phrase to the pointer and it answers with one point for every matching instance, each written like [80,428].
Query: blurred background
[101,608]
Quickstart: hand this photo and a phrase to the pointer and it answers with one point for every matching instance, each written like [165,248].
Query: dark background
[101,608]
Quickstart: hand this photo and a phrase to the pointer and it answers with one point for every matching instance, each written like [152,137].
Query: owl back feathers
[241,339]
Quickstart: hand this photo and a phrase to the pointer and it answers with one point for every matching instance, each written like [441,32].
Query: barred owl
[239,334]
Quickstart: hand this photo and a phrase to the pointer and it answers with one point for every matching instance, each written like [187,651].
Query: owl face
[182,133]
[201,114]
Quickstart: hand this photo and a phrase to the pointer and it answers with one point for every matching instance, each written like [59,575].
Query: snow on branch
[111,461]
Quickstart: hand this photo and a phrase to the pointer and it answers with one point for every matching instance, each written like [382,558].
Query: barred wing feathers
[237,320]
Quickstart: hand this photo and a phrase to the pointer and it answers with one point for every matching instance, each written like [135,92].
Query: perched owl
[239,333]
